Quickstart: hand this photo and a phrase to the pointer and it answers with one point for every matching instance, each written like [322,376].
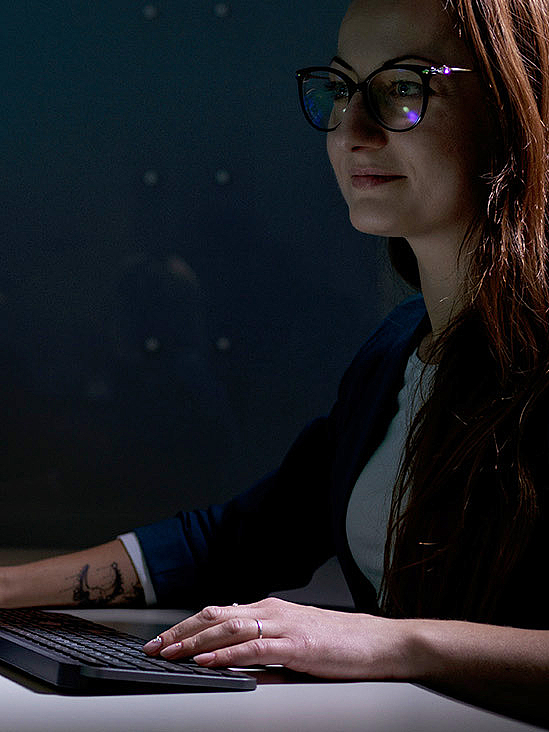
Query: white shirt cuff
[133,547]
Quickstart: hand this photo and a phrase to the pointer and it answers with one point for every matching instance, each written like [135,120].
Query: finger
[258,651]
[211,615]
[228,633]
[206,618]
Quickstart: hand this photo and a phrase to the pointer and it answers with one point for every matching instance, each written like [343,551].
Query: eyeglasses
[395,96]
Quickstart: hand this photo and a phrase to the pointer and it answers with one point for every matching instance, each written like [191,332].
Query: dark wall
[180,288]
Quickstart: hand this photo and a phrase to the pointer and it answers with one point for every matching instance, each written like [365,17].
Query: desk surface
[272,707]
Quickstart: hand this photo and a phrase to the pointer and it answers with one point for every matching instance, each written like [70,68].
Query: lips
[374,172]
[372,178]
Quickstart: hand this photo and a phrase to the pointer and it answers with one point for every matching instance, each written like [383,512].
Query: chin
[374,225]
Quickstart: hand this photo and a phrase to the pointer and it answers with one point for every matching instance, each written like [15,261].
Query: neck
[441,299]
[442,275]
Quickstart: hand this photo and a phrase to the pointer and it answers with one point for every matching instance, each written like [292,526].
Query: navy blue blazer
[277,533]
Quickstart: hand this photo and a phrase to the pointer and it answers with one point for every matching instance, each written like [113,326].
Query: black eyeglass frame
[424,72]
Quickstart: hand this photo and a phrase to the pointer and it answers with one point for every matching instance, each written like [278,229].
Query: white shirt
[370,502]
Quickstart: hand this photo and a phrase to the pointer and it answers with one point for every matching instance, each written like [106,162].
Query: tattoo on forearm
[110,587]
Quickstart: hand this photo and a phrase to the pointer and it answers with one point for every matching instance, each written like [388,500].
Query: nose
[358,129]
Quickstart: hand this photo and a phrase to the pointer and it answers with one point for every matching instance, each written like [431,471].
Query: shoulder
[380,363]
[397,332]
[405,316]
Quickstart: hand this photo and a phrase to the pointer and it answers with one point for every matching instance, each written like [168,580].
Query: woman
[443,149]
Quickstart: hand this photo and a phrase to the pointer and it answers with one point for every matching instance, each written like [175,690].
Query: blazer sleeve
[273,536]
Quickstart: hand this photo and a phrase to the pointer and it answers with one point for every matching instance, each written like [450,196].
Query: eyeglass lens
[395,98]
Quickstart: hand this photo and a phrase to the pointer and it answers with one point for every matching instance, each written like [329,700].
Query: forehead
[374,31]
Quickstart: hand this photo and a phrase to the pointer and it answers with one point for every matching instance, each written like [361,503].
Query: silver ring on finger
[259,628]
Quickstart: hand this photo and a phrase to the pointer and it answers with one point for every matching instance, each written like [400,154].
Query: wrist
[9,587]
[442,650]
[404,652]
[418,655]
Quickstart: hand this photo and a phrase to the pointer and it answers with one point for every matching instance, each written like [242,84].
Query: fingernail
[170,651]
[205,659]
[153,645]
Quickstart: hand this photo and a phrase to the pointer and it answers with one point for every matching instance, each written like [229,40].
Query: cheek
[330,149]
[466,142]
[334,156]
[454,156]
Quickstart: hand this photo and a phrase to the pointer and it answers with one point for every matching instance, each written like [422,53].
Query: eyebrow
[391,61]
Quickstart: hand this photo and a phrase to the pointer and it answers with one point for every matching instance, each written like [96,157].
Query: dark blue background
[180,288]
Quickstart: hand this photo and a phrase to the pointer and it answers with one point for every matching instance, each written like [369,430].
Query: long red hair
[468,499]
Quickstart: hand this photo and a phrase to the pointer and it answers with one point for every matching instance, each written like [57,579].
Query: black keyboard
[73,653]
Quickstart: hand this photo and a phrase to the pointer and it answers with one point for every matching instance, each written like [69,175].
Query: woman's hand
[307,639]
[503,667]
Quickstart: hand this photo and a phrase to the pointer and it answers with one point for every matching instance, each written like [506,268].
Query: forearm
[502,667]
[101,575]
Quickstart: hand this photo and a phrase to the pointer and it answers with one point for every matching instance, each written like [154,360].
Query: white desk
[272,707]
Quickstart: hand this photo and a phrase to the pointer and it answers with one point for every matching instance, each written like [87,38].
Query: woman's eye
[337,89]
[406,89]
